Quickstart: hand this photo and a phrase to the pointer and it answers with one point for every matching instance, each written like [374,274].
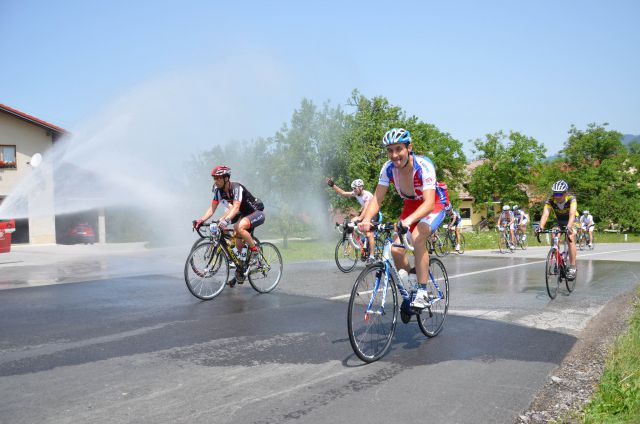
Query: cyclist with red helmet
[244,210]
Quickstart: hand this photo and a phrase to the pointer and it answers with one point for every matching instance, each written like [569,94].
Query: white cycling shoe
[422,300]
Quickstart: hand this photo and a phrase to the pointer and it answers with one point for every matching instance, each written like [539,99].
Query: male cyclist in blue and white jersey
[455,224]
[362,196]
[520,220]
[414,178]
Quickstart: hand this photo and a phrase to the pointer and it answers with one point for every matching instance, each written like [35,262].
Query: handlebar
[553,230]
[389,227]
[201,230]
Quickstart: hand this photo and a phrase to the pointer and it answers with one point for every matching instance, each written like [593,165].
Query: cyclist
[587,224]
[564,205]
[414,178]
[244,211]
[362,196]
[455,224]
[521,220]
[506,219]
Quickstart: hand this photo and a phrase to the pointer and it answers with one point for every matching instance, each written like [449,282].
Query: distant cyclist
[414,178]
[564,205]
[363,197]
[521,220]
[587,224]
[455,224]
[506,220]
[244,211]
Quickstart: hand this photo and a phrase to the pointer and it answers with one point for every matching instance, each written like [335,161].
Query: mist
[135,153]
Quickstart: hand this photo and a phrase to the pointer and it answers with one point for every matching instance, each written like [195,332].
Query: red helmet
[220,170]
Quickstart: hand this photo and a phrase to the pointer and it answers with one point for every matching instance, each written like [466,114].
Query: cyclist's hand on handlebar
[222,224]
[197,224]
[402,228]
[364,226]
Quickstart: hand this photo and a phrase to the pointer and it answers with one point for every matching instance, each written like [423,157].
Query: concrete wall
[29,139]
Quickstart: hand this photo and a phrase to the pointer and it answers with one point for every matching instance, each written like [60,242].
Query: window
[7,157]
[465,213]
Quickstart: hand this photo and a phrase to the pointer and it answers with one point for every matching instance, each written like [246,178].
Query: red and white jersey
[363,198]
[424,178]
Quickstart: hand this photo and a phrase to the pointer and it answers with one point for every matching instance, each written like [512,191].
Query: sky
[211,72]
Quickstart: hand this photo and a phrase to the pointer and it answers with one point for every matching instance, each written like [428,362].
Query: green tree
[596,143]
[509,166]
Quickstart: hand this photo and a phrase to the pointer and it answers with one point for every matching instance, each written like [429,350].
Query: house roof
[58,131]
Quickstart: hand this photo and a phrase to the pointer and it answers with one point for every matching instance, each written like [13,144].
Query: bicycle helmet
[220,170]
[516,207]
[357,183]
[585,212]
[506,208]
[396,135]
[560,186]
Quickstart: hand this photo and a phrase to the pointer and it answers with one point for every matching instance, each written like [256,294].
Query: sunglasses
[558,194]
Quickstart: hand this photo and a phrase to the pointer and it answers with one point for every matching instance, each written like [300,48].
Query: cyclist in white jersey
[363,197]
[415,180]
[587,224]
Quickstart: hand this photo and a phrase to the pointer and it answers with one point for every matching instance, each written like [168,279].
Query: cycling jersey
[424,178]
[563,209]
[586,221]
[451,213]
[248,203]
[363,198]
[521,217]
[506,217]
[442,193]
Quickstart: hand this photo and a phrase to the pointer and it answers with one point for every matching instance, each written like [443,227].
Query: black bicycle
[450,239]
[206,270]
[583,240]
[504,242]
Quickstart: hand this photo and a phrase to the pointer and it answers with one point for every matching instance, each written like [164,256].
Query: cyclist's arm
[373,205]
[232,211]
[363,211]
[341,191]
[572,213]
[544,217]
[424,209]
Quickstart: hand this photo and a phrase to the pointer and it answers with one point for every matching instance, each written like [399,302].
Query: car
[81,233]
[7,226]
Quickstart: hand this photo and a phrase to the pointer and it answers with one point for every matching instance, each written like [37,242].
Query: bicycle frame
[389,267]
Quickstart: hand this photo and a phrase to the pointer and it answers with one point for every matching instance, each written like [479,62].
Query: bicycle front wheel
[346,256]
[524,241]
[265,268]
[371,319]
[432,318]
[582,242]
[552,274]
[206,270]
[462,244]
[441,248]
[502,244]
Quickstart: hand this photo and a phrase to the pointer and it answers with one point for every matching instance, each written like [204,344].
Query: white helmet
[585,212]
[357,183]
[516,207]
[506,208]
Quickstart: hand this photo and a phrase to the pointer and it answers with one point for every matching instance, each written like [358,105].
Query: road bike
[437,245]
[450,239]
[556,264]
[373,304]
[521,239]
[206,270]
[504,242]
[583,240]
[354,245]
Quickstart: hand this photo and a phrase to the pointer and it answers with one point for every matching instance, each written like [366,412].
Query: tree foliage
[509,166]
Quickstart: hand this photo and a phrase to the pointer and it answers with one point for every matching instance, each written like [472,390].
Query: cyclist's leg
[423,229]
[513,238]
[591,235]
[245,224]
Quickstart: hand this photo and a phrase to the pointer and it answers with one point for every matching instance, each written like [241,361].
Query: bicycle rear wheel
[432,318]
[552,274]
[371,319]
[346,256]
[265,269]
[206,270]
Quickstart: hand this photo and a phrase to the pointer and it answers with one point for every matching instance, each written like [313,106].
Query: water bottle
[404,277]
[235,251]
[243,254]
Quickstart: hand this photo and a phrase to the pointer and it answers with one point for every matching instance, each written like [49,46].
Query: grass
[617,399]
[316,249]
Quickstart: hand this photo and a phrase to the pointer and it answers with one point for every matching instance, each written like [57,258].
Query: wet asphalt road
[128,343]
